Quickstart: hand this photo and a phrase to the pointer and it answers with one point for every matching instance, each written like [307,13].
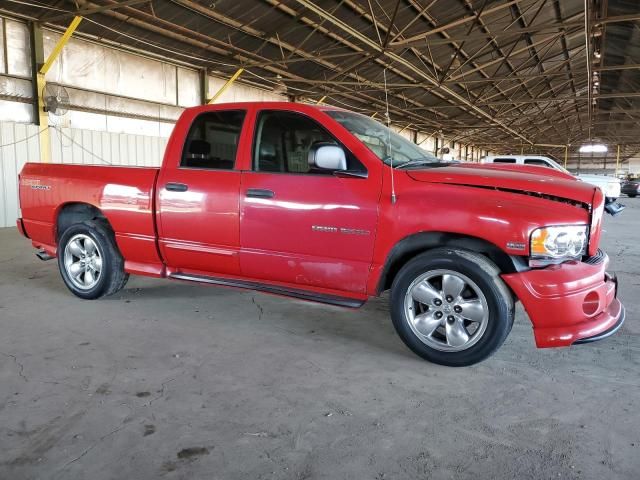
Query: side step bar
[302,294]
[44,256]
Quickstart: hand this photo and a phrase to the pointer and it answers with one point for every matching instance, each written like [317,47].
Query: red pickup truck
[331,206]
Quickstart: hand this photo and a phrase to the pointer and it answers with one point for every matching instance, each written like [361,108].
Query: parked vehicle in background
[609,185]
[331,206]
[631,188]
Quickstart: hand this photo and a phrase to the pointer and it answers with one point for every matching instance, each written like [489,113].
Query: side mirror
[327,157]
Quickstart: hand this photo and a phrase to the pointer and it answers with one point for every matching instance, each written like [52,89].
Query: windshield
[386,144]
[560,167]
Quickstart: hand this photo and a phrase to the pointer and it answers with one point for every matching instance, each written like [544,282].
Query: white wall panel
[238,92]
[20,143]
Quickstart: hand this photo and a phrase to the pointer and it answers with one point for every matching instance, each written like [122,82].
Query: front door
[198,197]
[302,225]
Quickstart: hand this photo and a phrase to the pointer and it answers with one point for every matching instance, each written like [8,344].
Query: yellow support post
[224,87]
[60,45]
[45,139]
[321,100]
[566,155]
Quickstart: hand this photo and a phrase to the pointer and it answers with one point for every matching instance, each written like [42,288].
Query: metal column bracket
[224,87]
[43,119]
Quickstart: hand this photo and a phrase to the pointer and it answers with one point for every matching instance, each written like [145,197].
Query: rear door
[197,198]
[301,225]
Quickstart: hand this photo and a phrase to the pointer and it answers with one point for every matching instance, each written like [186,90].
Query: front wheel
[89,260]
[450,307]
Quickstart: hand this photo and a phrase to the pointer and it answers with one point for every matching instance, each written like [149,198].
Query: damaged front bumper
[573,302]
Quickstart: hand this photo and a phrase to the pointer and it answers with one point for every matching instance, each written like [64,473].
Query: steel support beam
[611,68]
[617,19]
[402,61]
[455,23]
[89,11]
[44,66]
[60,45]
[227,84]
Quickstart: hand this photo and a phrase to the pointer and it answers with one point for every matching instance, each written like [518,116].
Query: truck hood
[537,181]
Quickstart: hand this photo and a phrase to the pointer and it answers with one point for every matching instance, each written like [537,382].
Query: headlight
[559,243]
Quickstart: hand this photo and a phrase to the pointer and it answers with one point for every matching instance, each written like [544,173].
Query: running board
[289,292]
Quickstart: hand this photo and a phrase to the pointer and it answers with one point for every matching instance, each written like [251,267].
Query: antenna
[388,118]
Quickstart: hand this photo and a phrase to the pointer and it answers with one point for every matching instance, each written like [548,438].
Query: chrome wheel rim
[83,261]
[446,310]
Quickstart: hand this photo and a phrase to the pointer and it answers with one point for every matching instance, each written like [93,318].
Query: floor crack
[259,307]
[101,439]
[20,366]
[162,387]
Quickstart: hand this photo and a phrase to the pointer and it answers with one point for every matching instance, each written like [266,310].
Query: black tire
[112,277]
[485,274]
[632,195]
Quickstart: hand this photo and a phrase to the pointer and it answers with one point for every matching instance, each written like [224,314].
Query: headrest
[199,147]
[267,149]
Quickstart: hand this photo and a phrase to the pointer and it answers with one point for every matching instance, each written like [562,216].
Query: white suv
[609,185]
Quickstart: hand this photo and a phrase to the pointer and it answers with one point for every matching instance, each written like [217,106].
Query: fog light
[591,303]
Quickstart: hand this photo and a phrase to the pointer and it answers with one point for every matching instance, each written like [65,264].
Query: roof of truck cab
[262,105]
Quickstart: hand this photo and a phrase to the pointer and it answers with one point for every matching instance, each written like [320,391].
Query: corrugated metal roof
[485,72]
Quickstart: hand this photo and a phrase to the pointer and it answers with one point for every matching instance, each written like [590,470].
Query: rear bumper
[21,229]
[574,302]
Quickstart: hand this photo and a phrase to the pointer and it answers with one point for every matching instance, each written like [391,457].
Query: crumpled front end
[573,302]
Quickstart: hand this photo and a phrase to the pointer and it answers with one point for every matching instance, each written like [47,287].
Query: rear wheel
[89,261]
[632,195]
[451,307]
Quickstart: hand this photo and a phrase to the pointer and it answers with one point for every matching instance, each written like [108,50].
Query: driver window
[283,141]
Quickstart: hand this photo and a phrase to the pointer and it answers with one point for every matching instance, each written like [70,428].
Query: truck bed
[124,194]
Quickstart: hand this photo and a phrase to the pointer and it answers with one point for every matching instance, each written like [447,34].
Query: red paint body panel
[123,194]
[325,234]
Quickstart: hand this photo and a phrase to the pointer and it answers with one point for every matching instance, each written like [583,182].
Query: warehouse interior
[176,380]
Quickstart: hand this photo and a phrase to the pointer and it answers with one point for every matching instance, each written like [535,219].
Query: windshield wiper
[423,161]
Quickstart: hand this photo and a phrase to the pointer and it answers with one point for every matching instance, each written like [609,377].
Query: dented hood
[539,181]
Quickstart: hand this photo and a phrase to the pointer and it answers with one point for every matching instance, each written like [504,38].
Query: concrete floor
[172,380]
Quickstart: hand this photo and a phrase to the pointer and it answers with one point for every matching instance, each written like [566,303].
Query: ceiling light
[593,148]
[596,54]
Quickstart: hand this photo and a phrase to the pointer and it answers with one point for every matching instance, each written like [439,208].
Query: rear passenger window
[504,160]
[537,161]
[212,141]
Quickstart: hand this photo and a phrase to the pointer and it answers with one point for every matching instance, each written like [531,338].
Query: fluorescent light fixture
[594,147]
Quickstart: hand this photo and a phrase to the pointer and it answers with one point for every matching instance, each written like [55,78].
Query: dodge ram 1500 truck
[328,205]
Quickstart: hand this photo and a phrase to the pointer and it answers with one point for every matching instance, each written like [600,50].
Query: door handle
[260,193]
[176,187]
